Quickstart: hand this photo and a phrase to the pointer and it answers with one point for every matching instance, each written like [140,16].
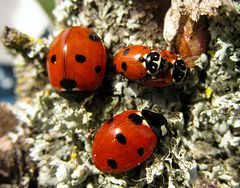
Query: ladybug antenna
[157,122]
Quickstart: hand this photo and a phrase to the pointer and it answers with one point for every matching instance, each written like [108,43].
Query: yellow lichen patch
[46,92]
[208,92]
[73,154]
[40,41]
[31,39]
[211,53]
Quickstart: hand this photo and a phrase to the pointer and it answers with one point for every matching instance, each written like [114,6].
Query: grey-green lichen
[204,112]
[119,23]
[214,123]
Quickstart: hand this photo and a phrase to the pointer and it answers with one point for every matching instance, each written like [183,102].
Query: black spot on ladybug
[80,58]
[150,65]
[112,163]
[94,37]
[155,56]
[53,59]
[124,66]
[140,151]
[121,138]
[68,84]
[141,59]
[136,119]
[110,120]
[98,69]
[125,52]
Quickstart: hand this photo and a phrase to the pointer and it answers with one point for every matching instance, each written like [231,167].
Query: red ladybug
[130,61]
[157,68]
[127,140]
[76,60]
[178,68]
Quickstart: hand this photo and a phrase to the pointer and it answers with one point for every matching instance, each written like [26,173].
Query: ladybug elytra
[127,140]
[76,60]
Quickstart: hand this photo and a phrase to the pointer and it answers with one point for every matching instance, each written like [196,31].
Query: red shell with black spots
[130,61]
[123,142]
[76,60]
[168,56]
[157,68]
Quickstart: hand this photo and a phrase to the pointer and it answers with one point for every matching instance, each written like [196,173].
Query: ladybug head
[157,122]
[179,71]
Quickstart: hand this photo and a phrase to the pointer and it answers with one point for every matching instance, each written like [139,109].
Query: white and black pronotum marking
[154,63]
[179,71]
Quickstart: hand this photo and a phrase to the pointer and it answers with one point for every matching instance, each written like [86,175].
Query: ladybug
[157,68]
[130,61]
[76,60]
[177,68]
[127,140]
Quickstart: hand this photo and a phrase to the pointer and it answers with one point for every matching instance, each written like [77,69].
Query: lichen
[203,113]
